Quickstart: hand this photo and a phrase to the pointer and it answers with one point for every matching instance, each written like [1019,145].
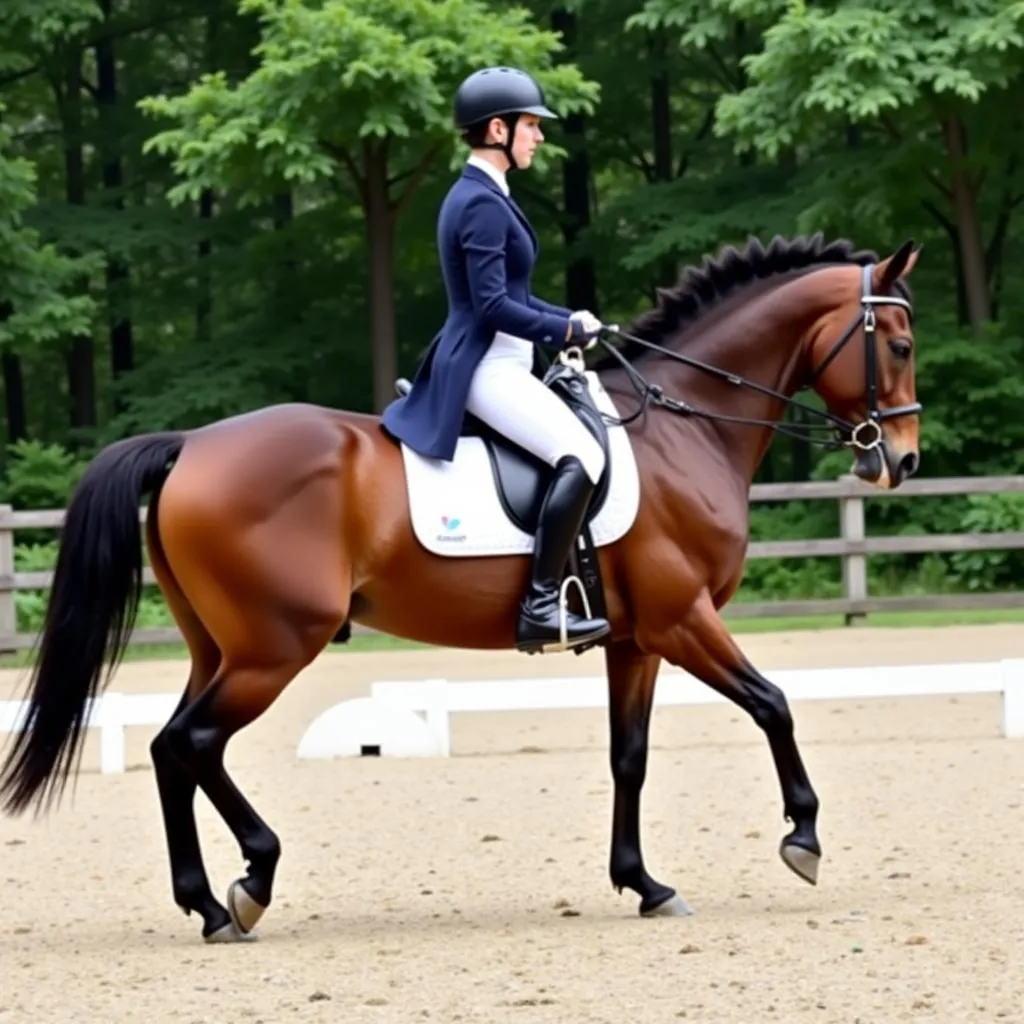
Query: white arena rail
[436,699]
[111,713]
[414,718]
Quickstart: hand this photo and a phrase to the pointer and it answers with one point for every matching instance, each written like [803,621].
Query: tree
[929,93]
[34,306]
[692,192]
[354,91]
[37,282]
[30,28]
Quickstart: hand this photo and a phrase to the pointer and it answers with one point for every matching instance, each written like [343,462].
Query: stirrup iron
[563,608]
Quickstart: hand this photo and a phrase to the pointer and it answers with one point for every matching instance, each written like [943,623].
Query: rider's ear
[891,269]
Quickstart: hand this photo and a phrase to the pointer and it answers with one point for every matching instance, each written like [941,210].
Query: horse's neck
[759,340]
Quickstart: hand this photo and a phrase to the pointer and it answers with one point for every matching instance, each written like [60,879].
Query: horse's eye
[900,348]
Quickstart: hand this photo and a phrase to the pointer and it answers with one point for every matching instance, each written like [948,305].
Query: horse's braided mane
[699,289]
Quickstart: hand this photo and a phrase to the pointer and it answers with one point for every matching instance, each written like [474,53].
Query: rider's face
[528,136]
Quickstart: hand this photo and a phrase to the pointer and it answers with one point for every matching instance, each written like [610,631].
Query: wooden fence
[853,546]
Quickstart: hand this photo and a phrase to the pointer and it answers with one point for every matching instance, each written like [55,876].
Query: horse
[271,532]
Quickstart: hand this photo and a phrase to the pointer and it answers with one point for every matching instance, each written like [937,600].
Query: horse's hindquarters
[253,521]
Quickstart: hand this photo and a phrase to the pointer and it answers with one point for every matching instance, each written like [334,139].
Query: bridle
[867,318]
[848,434]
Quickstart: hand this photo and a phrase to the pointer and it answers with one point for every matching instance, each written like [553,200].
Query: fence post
[855,567]
[8,612]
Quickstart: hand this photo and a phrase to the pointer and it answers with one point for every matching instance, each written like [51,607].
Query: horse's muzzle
[884,466]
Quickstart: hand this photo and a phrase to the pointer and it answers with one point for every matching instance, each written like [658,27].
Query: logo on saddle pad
[451,524]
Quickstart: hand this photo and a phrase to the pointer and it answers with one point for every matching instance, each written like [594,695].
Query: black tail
[94,600]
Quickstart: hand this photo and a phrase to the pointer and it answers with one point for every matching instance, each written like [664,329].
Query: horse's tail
[94,600]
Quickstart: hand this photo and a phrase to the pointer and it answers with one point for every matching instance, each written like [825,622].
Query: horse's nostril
[908,465]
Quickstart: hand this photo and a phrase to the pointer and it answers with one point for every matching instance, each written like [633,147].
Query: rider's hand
[584,326]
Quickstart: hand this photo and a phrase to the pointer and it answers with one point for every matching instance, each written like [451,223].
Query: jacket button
[547,338]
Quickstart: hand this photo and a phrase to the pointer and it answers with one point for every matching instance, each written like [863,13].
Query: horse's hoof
[674,906]
[802,862]
[228,933]
[244,910]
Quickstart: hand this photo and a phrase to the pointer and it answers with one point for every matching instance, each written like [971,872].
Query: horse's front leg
[631,679]
[701,644]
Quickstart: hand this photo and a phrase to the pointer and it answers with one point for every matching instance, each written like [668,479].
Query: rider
[481,361]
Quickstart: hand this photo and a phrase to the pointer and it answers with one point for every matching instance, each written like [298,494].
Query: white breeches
[506,396]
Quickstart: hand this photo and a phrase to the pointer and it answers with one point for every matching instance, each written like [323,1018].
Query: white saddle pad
[455,508]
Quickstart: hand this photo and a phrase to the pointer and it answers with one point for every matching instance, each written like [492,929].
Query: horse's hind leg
[701,644]
[237,695]
[189,882]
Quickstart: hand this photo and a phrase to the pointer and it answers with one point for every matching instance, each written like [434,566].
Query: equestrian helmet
[492,92]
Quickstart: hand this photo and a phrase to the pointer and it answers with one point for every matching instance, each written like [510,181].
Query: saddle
[521,479]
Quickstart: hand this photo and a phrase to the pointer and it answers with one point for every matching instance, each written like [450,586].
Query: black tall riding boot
[560,520]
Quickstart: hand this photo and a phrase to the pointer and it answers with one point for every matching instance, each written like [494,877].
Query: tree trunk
[380,228]
[14,396]
[661,135]
[204,282]
[996,249]
[962,316]
[14,388]
[580,273]
[282,206]
[954,247]
[207,203]
[284,210]
[972,251]
[122,354]
[79,356]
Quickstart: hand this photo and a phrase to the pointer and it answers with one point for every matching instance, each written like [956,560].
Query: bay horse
[270,532]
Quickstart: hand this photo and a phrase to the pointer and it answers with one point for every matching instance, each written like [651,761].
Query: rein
[848,434]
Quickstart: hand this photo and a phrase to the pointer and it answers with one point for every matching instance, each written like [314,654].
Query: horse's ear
[891,269]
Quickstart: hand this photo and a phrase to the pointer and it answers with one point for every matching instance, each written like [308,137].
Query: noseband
[863,436]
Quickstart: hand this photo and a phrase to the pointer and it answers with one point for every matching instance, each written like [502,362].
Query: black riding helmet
[497,92]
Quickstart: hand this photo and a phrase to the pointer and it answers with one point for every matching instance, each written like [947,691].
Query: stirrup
[563,643]
[563,609]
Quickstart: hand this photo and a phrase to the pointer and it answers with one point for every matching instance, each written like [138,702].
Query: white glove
[585,325]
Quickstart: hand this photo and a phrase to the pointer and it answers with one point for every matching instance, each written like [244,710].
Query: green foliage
[957,572]
[792,578]
[35,279]
[975,387]
[991,570]
[30,28]
[737,202]
[335,74]
[40,476]
[863,59]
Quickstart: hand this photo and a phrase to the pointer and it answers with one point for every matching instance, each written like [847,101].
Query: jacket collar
[490,170]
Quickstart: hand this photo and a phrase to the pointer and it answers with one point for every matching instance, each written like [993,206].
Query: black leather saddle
[521,479]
